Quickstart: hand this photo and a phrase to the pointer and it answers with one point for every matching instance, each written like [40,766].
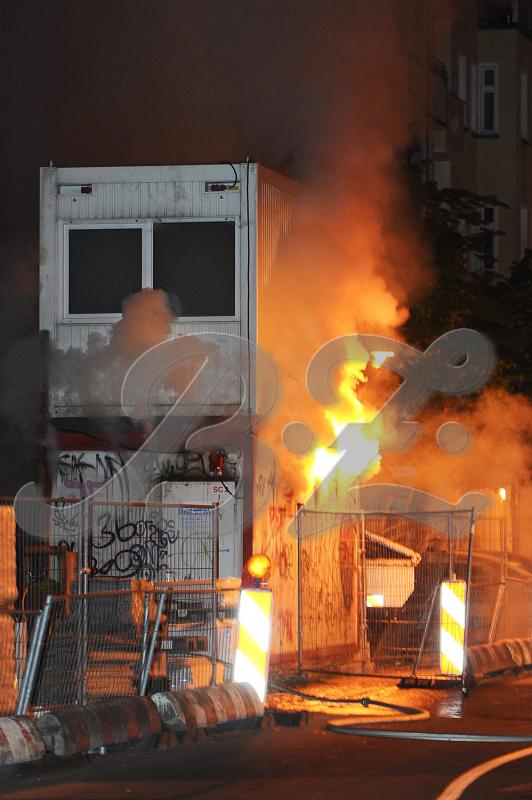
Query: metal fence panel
[515,617]
[330,588]
[157,542]
[369,588]
[198,636]
[61,547]
[94,648]
[99,560]
[106,645]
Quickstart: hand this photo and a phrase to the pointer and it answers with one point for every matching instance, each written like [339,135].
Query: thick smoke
[498,453]
[296,86]
[83,378]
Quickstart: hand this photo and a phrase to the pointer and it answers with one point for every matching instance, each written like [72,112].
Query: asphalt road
[308,761]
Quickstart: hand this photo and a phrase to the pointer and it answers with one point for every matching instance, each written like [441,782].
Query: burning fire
[359,454]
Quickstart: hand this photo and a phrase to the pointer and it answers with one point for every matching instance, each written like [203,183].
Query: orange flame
[359,456]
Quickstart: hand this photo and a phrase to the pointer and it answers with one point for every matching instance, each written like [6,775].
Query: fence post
[145,627]
[214,636]
[214,604]
[299,511]
[82,656]
[144,675]
[32,664]
[450,547]
[468,597]
[503,574]
[426,629]
[360,536]
[85,519]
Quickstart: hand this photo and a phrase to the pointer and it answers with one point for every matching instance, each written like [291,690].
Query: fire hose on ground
[349,725]
[405,713]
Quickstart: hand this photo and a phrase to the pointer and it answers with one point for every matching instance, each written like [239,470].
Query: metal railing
[369,589]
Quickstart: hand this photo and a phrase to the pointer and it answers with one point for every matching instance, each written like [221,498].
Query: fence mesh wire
[394,566]
[330,590]
[198,636]
[100,561]
[153,541]
[55,543]
[367,594]
[97,645]
[368,588]
[93,649]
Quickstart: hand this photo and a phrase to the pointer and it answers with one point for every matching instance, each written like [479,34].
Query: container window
[104,267]
[194,262]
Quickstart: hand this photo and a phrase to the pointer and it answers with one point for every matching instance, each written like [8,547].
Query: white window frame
[482,91]
[104,225]
[146,225]
[442,173]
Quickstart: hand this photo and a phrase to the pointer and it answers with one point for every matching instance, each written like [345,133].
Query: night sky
[160,82]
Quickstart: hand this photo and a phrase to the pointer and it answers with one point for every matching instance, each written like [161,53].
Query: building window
[442,174]
[474,97]
[104,266]
[438,92]
[524,106]
[486,257]
[488,90]
[524,231]
[462,78]
[195,265]
[193,260]
[462,85]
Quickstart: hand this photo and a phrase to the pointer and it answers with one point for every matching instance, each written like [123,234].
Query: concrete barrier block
[208,707]
[502,656]
[79,729]
[20,741]
[506,654]
[518,656]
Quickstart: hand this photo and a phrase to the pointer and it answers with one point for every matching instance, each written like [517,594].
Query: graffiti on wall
[346,559]
[81,474]
[140,548]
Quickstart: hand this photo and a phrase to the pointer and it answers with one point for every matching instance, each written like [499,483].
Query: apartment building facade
[470,85]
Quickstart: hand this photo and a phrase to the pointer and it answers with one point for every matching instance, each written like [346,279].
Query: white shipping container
[206,234]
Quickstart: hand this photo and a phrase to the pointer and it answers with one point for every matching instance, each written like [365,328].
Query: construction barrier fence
[369,589]
[106,565]
[405,594]
[101,646]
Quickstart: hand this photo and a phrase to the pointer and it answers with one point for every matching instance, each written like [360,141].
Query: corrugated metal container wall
[110,198]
